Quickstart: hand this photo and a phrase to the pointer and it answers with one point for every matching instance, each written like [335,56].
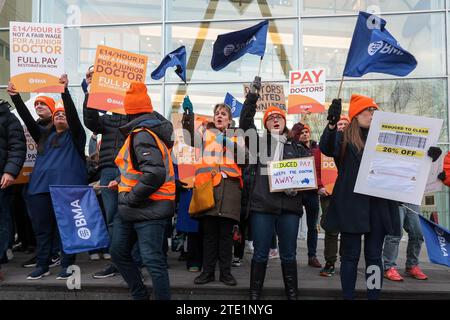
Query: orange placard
[114,71]
[36,56]
[328,172]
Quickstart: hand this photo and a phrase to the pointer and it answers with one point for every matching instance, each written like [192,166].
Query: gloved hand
[256,85]
[434,153]
[441,176]
[84,86]
[334,112]
[187,105]
[291,193]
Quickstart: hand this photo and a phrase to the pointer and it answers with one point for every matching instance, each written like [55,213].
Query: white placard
[395,164]
[297,174]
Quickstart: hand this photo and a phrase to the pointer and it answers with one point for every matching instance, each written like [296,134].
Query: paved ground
[311,285]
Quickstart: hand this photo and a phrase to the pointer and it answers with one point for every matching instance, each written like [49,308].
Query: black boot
[257,275]
[290,279]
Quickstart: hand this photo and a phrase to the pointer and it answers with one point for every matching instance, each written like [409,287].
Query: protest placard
[395,164]
[270,95]
[36,56]
[296,174]
[307,91]
[114,71]
[328,172]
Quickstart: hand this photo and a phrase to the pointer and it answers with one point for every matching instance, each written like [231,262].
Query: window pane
[233,9]
[334,7]
[18,10]
[78,12]
[326,41]
[4,57]
[280,57]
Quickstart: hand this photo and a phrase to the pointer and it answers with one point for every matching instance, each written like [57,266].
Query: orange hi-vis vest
[130,176]
[214,161]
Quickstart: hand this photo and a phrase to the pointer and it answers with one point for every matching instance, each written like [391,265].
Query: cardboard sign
[297,174]
[185,155]
[328,172]
[37,56]
[30,159]
[307,91]
[395,164]
[114,71]
[270,95]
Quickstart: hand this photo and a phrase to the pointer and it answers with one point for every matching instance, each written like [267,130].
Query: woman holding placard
[353,214]
[269,212]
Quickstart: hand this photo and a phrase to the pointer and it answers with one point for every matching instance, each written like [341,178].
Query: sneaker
[416,273]
[106,256]
[94,257]
[204,278]
[9,254]
[228,279]
[194,269]
[236,262]
[63,275]
[108,272]
[55,261]
[313,262]
[273,254]
[38,274]
[328,270]
[30,263]
[392,274]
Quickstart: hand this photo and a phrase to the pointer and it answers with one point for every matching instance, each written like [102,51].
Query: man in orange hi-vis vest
[146,195]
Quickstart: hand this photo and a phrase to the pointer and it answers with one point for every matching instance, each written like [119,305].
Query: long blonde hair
[353,135]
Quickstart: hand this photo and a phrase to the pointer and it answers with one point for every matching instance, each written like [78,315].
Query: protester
[271,212]
[112,140]
[409,220]
[354,214]
[310,198]
[217,164]
[12,157]
[146,195]
[60,161]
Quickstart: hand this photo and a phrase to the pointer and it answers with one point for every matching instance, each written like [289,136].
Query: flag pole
[340,87]
[260,64]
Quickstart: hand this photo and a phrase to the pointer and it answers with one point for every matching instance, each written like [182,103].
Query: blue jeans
[410,222]
[5,221]
[263,228]
[150,235]
[311,202]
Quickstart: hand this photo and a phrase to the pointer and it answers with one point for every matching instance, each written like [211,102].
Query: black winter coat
[260,197]
[108,126]
[135,206]
[13,147]
[350,212]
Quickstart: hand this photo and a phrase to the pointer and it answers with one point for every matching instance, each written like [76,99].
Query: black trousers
[194,250]
[217,243]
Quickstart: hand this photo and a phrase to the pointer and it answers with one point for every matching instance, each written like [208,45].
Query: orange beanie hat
[358,104]
[273,110]
[137,100]
[49,102]
[344,118]
[58,109]
[306,127]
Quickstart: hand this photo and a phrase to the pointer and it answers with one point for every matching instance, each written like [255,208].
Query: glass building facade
[302,34]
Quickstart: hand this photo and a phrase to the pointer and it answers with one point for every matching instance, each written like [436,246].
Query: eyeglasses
[274,117]
[371,109]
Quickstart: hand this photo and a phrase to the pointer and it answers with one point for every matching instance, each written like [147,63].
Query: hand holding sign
[64,80]
[12,89]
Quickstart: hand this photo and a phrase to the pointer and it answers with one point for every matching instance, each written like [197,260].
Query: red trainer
[393,275]
[415,272]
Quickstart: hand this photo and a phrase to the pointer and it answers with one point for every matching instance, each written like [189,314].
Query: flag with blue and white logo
[374,49]
[437,240]
[176,58]
[79,218]
[236,106]
[231,46]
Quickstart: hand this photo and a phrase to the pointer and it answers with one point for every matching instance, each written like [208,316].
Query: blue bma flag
[79,217]
[374,49]
[437,240]
[236,106]
[176,58]
[231,46]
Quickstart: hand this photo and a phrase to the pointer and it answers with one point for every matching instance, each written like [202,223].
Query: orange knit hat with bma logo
[358,104]
[137,100]
[273,110]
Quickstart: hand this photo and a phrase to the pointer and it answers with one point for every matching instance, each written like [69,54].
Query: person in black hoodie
[350,213]
[12,156]
[271,211]
[146,195]
[108,126]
